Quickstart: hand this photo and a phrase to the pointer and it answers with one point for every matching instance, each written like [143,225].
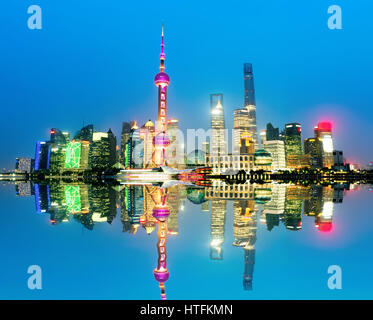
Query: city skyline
[345,112]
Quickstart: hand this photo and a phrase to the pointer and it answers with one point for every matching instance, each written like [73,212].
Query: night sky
[94,62]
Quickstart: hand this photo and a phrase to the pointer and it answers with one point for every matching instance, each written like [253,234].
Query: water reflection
[149,208]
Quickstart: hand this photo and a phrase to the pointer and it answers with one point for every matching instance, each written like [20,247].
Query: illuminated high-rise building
[240,125]
[249,100]
[247,145]
[272,133]
[24,165]
[313,147]
[161,141]
[85,133]
[42,155]
[175,151]
[102,151]
[323,131]
[218,138]
[147,134]
[277,150]
[73,155]
[125,135]
[58,142]
[293,144]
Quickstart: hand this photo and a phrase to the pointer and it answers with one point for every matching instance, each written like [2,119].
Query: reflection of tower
[161,141]
[161,213]
[244,231]
[218,212]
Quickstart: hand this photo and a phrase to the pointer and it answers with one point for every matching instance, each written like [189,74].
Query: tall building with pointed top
[218,138]
[249,100]
[161,140]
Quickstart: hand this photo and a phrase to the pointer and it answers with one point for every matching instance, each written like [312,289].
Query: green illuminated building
[73,153]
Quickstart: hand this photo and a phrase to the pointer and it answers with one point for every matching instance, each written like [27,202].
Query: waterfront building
[338,160]
[42,155]
[229,162]
[102,151]
[323,131]
[218,132]
[247,145]
[272,133]
[58,142]
[249,100]
[147,134]
[263,160]
[313,147]
[277,150]
[240,125]
[24,165]
[293,142]
[125,136]
[85,133]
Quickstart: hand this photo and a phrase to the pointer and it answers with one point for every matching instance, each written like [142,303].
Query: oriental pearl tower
[161,140]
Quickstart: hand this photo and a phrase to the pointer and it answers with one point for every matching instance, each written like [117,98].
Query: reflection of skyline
[142,206]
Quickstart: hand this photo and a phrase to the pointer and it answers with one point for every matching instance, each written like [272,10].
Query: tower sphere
[162,79]
[161,213]
[161,139]
[161,276]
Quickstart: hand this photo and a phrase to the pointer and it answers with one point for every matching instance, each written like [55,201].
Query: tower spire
[162,56]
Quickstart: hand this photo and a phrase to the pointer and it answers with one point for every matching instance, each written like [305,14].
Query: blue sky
[94,62]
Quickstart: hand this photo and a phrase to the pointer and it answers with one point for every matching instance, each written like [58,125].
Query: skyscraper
[218,139]
[58,142]
[133,149]
[277,150]
[102,152]
[175,151]
[293,144]
[323,131]
[85,133]
[313,147]
[42,155]
[249,100]
[147,133]
[126,131]
[240,124]
[272,133]
[24,165]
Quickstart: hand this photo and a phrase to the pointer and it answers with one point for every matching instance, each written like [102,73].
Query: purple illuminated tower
[161,140]
[161,212]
